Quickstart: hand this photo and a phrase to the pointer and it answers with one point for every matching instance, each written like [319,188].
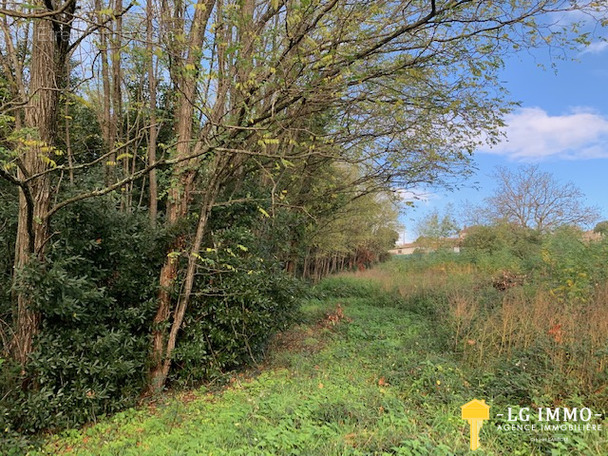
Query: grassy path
[368,379]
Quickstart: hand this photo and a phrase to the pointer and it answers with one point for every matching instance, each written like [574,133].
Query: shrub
[571,267]
[502,248]
[240,301]
[94,293]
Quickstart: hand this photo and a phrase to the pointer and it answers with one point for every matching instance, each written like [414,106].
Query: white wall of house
[408,250]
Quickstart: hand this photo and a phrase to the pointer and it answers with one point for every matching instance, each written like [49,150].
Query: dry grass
[413,283]
[572,338]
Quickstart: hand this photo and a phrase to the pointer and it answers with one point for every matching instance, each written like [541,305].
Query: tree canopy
[435,229]
[532,198]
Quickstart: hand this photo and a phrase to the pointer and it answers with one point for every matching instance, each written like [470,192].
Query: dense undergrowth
[96,294]
[381,363]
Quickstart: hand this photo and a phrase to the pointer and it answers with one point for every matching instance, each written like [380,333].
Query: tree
[356,233]
[532,198]
[434,229]
[36,144]
[601,228]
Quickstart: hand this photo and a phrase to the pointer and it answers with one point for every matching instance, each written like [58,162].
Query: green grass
[379,381]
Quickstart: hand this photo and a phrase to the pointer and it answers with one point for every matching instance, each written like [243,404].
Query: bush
[572,268]
[94,293]
[90,353]
[241,299]
[502,248]
[347,287]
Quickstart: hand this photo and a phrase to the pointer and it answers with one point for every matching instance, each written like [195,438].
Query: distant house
[408,249]
[404,249]
[590,236]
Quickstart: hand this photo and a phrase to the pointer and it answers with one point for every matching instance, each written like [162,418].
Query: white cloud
[596,47]
[532,135]
[588,17]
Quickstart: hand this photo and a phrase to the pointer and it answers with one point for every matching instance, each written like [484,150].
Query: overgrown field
[381,363]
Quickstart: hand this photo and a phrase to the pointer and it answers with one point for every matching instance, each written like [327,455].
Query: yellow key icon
[475,412]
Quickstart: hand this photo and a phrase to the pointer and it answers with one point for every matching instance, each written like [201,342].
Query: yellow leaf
[122,156]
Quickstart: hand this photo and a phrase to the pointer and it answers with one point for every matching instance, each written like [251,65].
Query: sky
[561,126]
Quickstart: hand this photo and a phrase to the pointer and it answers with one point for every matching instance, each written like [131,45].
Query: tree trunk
[152,137]
[32,229]
[117,110]
[161,370]
[179,194]
[107,127]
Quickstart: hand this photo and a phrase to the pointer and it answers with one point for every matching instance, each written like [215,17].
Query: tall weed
[551,340]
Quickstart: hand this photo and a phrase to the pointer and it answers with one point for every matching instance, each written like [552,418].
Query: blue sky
[561,125]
